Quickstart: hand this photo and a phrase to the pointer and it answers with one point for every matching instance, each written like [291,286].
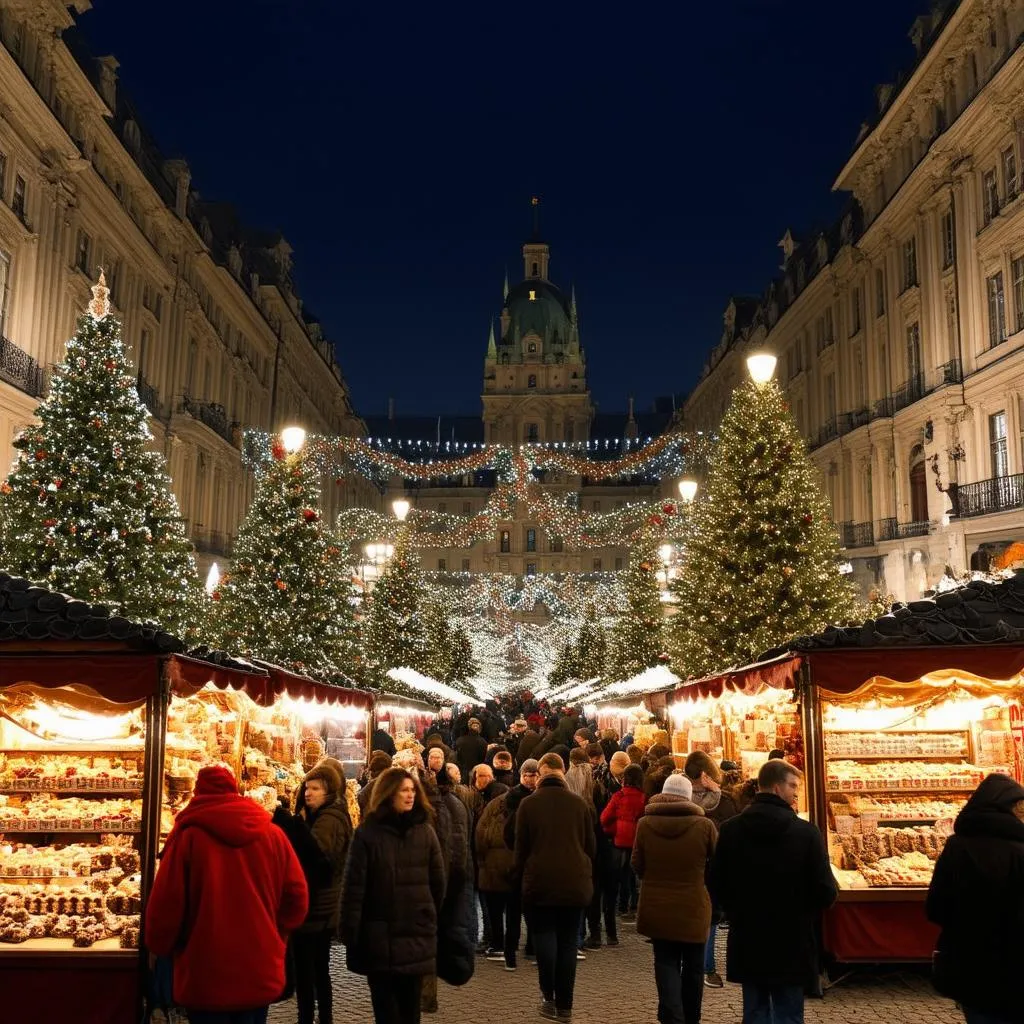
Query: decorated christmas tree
[762,559]
[288,595]
[450,652]
[394,633]
[88,507]
[583,655]
[637,641]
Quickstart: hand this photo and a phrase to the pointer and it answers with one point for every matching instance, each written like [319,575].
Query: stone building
[534,389]
[211,318]
[900,330]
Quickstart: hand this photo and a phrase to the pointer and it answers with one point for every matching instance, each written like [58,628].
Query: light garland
[417,681]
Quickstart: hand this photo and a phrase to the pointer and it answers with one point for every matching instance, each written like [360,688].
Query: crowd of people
[535,818]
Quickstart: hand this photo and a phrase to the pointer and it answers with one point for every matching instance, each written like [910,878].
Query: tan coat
[674,844]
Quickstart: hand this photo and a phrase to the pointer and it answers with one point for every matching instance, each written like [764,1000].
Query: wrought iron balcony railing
[890,529]
[857,535]
[985,497]
[20,369]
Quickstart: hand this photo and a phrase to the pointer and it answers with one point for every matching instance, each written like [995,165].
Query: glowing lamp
[665,553]
[401,508]
[761,366]
[213,578]
[293,438]
[687,489]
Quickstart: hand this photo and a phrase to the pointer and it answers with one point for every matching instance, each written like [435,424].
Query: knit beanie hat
[215,778]
[678,785]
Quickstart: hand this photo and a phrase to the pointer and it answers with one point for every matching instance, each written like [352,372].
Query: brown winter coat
[674,845]
[555,847]
[495,861]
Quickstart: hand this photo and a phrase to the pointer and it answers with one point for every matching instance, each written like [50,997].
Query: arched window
[918,485]
[531,381]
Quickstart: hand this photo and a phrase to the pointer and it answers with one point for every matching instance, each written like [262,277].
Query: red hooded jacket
[228,891]
[620,816]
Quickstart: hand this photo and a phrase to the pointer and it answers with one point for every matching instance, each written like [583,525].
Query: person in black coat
[977,898]
[391,898]
[772,878]
[470,749]
[383,740]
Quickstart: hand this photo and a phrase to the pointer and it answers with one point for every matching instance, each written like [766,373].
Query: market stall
[103,724]
[403,718]
[901,719]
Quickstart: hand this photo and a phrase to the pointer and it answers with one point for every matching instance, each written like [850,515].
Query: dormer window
[533,294]
[531,381]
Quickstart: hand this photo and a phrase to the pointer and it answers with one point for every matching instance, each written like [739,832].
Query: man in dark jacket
[529,776]
[771,876]
[554,855]
[383,740]
[470,749]
[977,899]
[484,790]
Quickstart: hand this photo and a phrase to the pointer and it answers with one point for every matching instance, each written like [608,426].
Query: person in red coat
[618,820]
[228,891]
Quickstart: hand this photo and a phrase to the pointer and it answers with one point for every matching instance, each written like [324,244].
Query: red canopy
[283,681]
[122,678]
[189,675]
[779,673]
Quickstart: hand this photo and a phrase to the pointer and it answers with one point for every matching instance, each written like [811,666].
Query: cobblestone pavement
[618,985]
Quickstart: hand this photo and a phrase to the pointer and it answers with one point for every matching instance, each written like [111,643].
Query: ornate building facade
[534,389]
[900,331]
[211,318]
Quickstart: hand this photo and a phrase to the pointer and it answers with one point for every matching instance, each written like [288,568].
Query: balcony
[883,408]
[951,373]
[911,391]
[857,535]
[999,494]
[21,370]
[148,395]
[212,415]
[890,529]
[827,432]
[852,420]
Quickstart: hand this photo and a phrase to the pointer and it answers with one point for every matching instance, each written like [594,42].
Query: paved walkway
[617,985]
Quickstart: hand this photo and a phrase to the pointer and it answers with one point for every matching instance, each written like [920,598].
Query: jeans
[555,932]
[497,911]
[679,976]
[709,951]
[782,1005]
[395,998]
[228,1016]
[629,894]
[313,975]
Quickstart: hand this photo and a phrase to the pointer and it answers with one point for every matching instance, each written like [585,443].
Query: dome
[547,314]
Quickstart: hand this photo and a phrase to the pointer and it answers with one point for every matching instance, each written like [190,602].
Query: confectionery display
[913,775]
[909,807]
[896,744]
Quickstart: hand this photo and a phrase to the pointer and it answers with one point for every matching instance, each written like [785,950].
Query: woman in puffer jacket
[618,820]
[391,900]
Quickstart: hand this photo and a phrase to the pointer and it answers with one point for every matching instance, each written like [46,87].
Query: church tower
[535,382]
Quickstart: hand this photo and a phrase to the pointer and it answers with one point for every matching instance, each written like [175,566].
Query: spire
[631,427]
[504,293]
[492,351]
[572,308]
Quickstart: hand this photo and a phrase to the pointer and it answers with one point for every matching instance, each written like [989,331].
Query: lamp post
[761,367]
[666,553]
[401,506]
[293,438]
[687,490]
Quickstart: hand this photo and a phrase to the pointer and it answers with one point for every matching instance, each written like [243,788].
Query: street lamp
[761,366]
[400,506]
[687,489]
[293,438]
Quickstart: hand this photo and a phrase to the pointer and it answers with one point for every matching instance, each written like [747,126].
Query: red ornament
[215,596]
[669,509]
[277,451]
[310,515]
[808,518]
[49,522]
[281,585]
[109,364]
[58,483]
[40,455]
[655,520]
[5,488]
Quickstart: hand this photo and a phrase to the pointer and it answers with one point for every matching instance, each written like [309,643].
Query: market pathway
[618,985]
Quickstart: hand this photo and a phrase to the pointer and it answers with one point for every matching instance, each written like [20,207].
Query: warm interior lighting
[533,295]
[687,489]
[400,506]
[213,578]
[761,366]
[293,438]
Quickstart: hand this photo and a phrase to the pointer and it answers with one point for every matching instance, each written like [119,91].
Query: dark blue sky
[396,146]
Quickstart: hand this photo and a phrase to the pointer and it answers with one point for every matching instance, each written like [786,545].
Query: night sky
[396,147]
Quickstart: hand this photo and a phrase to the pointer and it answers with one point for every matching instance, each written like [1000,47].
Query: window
[1017,269]
[532,433]
[555,545]
[618,564]
[1000,454]
[531,540]
[914,355]
[855,323]
[465,565]
[595,506]
[83,245]
[909,263]
[18,199]
[597,565]
[1010,173]
[531,568]
[879,291]
[989,195]
[442,564]
[467,508]
[532,347]
[505,542]
[996,310]
[531,381]
[948,254]
[5,283]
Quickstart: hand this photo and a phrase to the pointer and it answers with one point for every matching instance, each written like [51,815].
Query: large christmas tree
[288,595]
[88,507]
[394,633]
[638,640]
[762,559]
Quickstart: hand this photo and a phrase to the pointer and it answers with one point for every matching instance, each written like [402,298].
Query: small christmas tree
[583,656]
[450,651]
[637,640]
[762,560]
[394,632]
[88,506]
[288,596]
